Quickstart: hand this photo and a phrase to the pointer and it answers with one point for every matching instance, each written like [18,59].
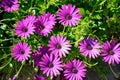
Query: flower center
[89,47]
[22,51]
[68,17]
[74,70]
[24,29]
[58,46]
[42,27]
[50,65]
[111,52]
[9,3]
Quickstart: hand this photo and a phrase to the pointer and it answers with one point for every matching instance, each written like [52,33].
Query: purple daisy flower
[39,77]
[111,52]
[10,5]
[21,51]
[39,53]
[74,70]
[44,24]
[68,15]
[25,27]
[51,65]
[90,47]
[59,45]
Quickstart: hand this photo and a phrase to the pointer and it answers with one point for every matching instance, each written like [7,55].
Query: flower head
[21,51]
[44,24]
[39,53]
[25,27]
[10,5]
[111,52]
[90,47]
[69,15]
[74,70]
[59,45]
[51,65]
[39,77]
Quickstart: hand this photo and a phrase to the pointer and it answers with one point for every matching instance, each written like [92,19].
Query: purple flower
[11,79]
[21,51]
[44,24]
[10,5]
[25,27]
[111,52]
[74,70]
[39,53]
[68,15]
[51,65]
[90,47]
[59,45]
[39,77]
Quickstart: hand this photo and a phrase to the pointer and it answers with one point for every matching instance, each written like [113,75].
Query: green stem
[5,56]
[8,19]
[90,65]
[63,29]
[114,73]
[31,3]
[6,64]
[16,75]
[2,40]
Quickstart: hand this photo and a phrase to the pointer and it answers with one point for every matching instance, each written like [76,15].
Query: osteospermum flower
[51,65]
[44,24]
[111,52]
[39,53]
[74,70]
[59,45]
[39,77]
[21,51]
[69,15]
[25,27]
[10,5]
[90,47]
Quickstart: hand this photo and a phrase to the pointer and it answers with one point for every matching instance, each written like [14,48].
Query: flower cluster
[50,58]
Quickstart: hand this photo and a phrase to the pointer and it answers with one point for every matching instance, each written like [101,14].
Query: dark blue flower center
[68,17]
[24,29]
[89,47]
[22,51]
[74,70]
[111,52]
[50,65]
[58,46]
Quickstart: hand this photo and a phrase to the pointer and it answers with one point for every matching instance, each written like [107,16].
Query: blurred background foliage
[101,20]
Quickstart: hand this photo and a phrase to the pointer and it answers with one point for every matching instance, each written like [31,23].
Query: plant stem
[90,65]
[5,56]
[63,29]
[106,78]
[6,64]
[2,40]
[16,75]
[31,3]
[115,74]
[8,19]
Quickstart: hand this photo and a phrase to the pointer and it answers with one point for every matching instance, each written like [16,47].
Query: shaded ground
[91,75]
